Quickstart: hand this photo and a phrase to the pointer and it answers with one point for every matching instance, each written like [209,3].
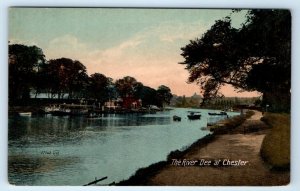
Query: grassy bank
[228,125]
[275,148]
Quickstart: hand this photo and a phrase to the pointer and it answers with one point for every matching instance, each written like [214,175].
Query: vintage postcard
[149,97]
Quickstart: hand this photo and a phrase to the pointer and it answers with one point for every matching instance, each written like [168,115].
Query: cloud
[180,31]
[120,51]
[24,42]
[65,46]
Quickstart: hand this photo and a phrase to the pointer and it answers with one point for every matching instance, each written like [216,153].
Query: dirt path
[236,146]
[256,116]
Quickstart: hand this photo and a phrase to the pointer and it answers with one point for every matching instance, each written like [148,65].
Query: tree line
[226,103]
[64,78]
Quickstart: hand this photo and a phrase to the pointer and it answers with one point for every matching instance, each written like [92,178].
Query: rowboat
[25,114]
[194,116]
[221,113]
[176,118]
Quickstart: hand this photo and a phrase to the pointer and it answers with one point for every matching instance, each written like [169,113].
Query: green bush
[275,149]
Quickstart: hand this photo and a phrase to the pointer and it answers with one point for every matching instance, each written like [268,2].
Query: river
[51,150]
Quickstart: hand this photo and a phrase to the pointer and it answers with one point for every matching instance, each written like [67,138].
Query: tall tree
[24,64]
[255,57]
[148,96]
[67,76]
[164,95]
[100,87]
[127,86]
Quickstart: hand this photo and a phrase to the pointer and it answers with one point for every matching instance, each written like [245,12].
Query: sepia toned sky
[142,43]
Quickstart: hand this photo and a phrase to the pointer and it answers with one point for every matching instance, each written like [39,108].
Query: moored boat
[25,114]
[67,109]
[193,116]
[221,113]
[176,118]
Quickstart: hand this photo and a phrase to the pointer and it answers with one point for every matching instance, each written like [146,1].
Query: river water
[51,150]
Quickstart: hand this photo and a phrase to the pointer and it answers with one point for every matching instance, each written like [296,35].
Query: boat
[221,113]
[67,109]
[176,118]
[25,114]
[51,109]
[194,116]
[155,108]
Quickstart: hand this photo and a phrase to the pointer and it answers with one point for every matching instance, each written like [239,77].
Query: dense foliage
[256,56]
[24,65]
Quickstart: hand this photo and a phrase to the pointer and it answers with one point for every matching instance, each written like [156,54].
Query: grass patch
[275,149]
[228,125]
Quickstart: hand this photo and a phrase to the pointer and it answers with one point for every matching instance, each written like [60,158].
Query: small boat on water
[176,118]
[25,114]
[221,113]
[194,115]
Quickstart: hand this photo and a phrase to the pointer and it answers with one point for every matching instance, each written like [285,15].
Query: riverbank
[242,143]
[76,109]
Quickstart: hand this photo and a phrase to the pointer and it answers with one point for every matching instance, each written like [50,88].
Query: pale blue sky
[143,43]
[100,27]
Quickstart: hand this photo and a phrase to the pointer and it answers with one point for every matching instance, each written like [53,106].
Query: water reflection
[47,129]
[27,170]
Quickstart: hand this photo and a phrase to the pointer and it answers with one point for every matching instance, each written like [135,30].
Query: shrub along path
[242,144]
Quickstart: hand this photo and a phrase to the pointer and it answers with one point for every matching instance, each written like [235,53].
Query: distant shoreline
[38,109]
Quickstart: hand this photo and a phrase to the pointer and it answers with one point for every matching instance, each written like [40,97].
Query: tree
[24,64]
[164,95]
[67,76]
[255,57]
[40,80]
[100,87]
[183,101]
[127,86]
[148,96]
[53,83]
